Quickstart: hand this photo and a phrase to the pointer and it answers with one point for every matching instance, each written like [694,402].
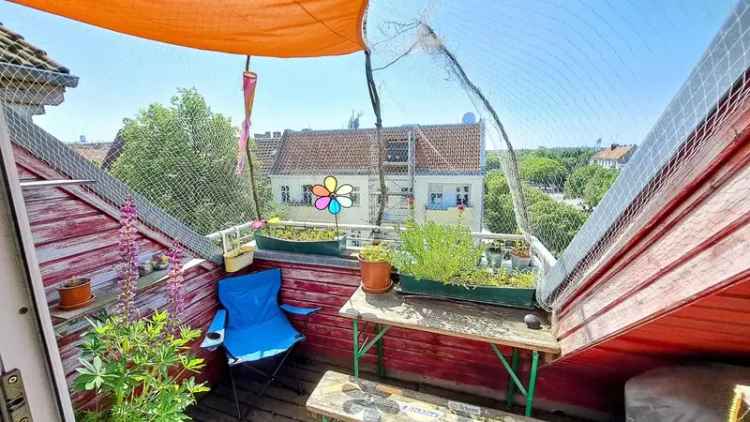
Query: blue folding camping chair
[252,327]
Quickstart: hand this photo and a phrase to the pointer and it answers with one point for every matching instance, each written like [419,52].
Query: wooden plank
[490,324]
[143,283]
[339,396]
[703,164]
[649,302]
[724,210]
[41,184]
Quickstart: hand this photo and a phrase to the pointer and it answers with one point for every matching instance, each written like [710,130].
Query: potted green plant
[443,261]
[138,369]
[75,293]
[307,240]
[494,254]
[238,255]
[160,261]
[520,255]
[375,268]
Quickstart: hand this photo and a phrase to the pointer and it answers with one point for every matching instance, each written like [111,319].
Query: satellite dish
[469,118]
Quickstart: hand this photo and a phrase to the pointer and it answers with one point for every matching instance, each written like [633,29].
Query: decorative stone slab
[337,396]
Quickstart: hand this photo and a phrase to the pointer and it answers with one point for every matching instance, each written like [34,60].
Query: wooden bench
[337,396]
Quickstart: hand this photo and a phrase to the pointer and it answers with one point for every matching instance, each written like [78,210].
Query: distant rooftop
[29,78]
[439,149]
[16,50]
[614,152]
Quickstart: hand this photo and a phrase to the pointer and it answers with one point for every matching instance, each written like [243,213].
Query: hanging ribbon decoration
[249,81]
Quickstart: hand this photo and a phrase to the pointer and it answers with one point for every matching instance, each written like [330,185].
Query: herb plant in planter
[520,255]
[75,293]
[375,267]
[139,368]
[494,254]
[306,240]
[238,255]
[443,261]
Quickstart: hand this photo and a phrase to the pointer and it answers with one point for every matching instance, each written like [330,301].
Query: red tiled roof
[15,50]
[440,149]
[615,152]
[266,149]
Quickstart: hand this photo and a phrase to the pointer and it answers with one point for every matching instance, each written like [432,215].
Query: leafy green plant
[299,233]
[139,368]
[433,251]
[502,278]
[376,253]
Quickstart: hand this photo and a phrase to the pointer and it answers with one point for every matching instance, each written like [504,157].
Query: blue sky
[560,73]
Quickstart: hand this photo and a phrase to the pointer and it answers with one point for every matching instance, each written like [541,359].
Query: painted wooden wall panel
[76,234]
[431,358]
[676,287]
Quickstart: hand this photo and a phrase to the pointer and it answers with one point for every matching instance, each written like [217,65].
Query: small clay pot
[519,262]
[376,276]
[75,294]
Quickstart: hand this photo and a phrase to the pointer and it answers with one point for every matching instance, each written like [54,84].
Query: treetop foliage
[182,157]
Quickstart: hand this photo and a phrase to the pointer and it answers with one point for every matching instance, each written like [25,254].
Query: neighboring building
[95,152]
[266,148]
[439,165]
[614,157]
[29,79]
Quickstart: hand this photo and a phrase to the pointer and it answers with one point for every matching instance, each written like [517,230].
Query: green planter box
[506,296]
[333,247]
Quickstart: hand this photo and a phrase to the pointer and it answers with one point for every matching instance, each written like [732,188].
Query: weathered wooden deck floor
[282,405]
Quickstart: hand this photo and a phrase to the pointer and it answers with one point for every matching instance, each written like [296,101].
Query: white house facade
[433,173]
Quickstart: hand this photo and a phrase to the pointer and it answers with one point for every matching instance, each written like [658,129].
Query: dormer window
[397,151]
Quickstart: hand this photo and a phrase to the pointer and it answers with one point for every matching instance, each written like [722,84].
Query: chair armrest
[299,310]
[215,333]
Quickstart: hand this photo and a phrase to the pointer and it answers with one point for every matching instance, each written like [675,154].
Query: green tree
[590,183]
[541,170]
[496,183]
[493,161]
[553,223]
[576,182]
[182,157]
[498,204]
[598,186]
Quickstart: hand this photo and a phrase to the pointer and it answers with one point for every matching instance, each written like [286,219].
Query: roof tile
[444,149]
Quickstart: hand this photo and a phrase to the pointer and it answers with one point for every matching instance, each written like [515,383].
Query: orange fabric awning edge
[273,28]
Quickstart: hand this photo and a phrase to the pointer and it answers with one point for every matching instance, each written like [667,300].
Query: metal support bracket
[512,369]
[367,344]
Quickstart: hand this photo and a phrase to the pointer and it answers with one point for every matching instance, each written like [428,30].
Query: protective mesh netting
[564,95]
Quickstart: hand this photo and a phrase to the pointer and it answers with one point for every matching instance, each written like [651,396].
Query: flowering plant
[129,254]
[174,285]
[139,367]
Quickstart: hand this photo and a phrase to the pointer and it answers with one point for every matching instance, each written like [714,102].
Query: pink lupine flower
[174,286]
[129,255]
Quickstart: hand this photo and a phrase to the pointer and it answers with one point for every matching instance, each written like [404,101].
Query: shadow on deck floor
[282,405]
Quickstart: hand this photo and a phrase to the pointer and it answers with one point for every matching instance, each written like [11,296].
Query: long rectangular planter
[333,247]
[506,296]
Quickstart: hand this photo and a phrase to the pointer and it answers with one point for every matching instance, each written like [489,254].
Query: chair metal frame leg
[273,378]
[236,396]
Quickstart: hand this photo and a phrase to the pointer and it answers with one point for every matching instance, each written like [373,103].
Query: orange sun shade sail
[276,28]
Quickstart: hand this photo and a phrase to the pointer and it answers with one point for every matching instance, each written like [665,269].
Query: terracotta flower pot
[75,294]
[519,262]
[376,276]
